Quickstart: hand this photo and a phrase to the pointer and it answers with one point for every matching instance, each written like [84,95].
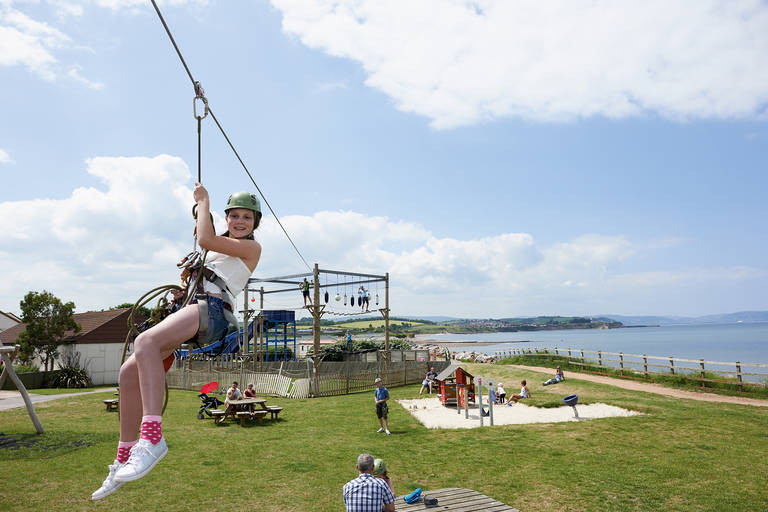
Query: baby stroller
[209,402]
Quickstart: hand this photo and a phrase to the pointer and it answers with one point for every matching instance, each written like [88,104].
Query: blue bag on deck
[413,497]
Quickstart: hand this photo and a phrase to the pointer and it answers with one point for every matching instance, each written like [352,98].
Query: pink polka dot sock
[124,450]
[152,428]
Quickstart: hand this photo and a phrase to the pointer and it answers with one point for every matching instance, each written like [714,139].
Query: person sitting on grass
[524,393]
[559,377]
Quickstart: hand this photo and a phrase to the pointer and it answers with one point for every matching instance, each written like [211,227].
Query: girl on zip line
[232,258]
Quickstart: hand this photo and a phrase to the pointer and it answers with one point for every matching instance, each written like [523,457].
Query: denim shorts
[218,325]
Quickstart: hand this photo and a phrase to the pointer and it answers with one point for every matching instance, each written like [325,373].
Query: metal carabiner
[199,95]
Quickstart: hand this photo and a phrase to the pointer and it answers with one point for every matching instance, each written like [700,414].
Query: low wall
[31,380]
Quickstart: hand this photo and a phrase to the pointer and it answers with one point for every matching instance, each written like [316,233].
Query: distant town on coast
[441,324]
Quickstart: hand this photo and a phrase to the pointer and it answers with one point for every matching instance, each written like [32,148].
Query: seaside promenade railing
[735,373]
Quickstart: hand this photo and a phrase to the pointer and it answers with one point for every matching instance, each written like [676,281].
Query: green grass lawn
[679,455]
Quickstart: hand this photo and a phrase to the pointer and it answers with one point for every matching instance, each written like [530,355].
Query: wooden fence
[645,365]
[296,379]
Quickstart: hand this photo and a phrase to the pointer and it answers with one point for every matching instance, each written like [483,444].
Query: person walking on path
[231,259]
[381,395]
[366,493]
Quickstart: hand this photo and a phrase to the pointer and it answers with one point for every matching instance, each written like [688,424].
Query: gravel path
[655,388]
[13,399]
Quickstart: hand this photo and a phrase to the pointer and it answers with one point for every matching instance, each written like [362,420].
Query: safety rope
[196,84]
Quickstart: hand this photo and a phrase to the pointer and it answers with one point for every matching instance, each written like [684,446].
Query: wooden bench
[273,410]
[217,414]
[243,415]
[113,404]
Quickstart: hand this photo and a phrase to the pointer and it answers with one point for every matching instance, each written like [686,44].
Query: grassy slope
[363,324]
[680,455]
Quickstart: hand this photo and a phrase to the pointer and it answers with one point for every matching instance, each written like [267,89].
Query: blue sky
[497,158]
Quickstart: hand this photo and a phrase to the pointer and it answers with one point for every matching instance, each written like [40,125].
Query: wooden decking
[457,500]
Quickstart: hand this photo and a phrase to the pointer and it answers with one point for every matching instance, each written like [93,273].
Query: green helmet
[243,200]
[379,468]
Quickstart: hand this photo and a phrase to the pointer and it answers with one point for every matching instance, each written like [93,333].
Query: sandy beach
[432,414]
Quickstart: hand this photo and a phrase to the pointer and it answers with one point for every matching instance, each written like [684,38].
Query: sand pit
[432,414]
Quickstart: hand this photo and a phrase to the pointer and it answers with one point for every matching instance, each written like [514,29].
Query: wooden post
[556,352]
[703,375]
[245,340]
[582,356]
[671,366]
[738,373]
[261,325]
[645,366]
[599,359]
[316,322]
[621,363]
[386,320]
[5,353]
[569,351]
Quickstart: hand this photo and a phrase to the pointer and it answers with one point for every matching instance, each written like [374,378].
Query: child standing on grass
[500,393]
[231,259]
[381,395]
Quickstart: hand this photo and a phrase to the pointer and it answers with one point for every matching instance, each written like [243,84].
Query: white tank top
[231,269]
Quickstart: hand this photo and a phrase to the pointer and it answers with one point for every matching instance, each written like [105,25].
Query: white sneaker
[380,431]
[144,456]
[110,485]
[388,432]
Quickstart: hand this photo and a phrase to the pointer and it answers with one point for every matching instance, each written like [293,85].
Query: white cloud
[5,158]
[109,244]
[74,74]
[37,45]
[458,62]
[98,246]
[127,4]
[66,9]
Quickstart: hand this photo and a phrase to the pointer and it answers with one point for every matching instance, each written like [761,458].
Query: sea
[745,342]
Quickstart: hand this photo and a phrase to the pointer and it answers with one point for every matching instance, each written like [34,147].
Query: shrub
[71,374]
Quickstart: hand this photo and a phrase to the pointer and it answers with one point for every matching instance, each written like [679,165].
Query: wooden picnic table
[456,500]
[242,405]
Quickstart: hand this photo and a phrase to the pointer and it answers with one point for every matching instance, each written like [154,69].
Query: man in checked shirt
[366,493]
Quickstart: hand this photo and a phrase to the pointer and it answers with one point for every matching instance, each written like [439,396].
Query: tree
[143,310]
[47,320]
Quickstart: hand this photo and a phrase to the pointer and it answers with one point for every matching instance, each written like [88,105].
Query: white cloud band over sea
[102,246]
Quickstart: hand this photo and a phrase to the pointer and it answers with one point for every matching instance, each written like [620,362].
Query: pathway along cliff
[653,388]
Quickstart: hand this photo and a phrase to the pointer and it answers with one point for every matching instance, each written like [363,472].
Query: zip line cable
[196,84]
